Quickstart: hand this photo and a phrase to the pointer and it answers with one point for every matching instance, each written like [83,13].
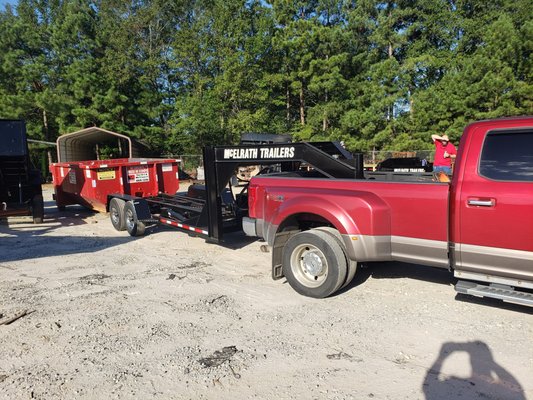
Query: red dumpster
[89,182]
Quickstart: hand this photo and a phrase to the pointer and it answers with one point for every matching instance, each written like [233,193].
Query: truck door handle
[481,203]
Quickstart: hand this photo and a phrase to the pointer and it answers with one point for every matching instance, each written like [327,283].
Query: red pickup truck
[480,225]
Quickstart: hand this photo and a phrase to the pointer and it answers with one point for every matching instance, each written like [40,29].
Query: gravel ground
[170,316]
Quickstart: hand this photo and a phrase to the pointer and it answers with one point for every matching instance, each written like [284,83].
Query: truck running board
[496,291]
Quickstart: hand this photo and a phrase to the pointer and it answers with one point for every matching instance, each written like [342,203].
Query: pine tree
[182,74]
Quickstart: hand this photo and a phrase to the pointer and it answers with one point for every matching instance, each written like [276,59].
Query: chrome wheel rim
[130,220]
[115,216]
[309,265]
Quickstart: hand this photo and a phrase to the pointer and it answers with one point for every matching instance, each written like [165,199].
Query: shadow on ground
[396,270]
[26,245]
[231,240]
[488,379]
[489,302]
[53,219]
[23,240]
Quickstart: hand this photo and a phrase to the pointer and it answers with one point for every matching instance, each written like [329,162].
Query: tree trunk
[45,126]
[302,106]
[326,99]
[288,102]
[325,117]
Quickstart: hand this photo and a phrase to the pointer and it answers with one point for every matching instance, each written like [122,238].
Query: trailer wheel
[314,263]
[116,213]
[37,209]
[133,225]
[351,265]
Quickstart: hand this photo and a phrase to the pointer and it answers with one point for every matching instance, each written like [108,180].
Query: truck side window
[508,156]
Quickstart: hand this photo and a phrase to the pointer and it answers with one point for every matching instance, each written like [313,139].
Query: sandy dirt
[170,316]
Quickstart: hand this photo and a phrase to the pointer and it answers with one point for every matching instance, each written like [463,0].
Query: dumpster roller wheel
[133,225]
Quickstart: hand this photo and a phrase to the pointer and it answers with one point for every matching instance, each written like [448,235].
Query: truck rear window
[508,156]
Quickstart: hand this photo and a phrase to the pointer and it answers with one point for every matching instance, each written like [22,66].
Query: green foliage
[182,74]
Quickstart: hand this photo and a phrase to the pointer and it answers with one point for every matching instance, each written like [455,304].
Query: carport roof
[79,146]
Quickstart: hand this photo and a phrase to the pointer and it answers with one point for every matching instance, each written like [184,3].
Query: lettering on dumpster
[72,177]
[105,174]
[138,174]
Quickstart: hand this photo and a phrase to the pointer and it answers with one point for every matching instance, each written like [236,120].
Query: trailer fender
[142,208]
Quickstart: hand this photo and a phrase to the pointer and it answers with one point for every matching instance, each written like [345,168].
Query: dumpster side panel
[68,182]
[141,180]
[168,173]
[90,182]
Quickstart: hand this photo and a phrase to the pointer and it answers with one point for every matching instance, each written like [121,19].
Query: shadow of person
[487,379]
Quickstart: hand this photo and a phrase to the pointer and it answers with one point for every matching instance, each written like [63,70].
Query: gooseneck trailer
[219,205]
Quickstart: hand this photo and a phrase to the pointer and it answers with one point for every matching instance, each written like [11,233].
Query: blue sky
[4,2]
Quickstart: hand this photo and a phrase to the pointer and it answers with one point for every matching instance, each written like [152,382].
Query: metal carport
[83,145]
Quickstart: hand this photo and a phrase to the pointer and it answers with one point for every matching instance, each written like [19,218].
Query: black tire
[116,214]
[37,209]
[351,265]
[133,225]
[314,263]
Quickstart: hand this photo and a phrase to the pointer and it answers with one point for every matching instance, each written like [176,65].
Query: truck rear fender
[362,218]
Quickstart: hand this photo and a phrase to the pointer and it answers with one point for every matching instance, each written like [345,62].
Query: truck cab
[491,209]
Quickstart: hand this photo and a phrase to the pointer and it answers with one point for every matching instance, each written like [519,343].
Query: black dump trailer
[219,205]
[20,182]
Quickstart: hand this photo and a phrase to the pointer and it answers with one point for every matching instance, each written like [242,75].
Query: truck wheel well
[303,222]
[288,228]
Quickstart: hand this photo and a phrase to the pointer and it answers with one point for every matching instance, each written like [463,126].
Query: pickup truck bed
[389,225]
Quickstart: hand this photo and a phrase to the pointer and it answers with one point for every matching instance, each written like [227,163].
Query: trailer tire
[351,265]
[116,214]
[37,209]
[133,225]
[314,263]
